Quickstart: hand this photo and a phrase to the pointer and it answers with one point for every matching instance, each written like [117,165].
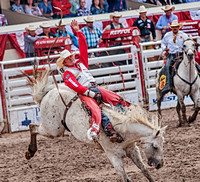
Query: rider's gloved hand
[95,95]
[92,134]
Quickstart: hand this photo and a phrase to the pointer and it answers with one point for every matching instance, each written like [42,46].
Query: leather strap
[66,109]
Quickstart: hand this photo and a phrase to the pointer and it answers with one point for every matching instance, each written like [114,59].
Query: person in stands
[115,24]
[77,77]
[167,18]
[92,33]
[64,6]
[46,9]
[82,11]
[145,26]
[31,9]
[46,30]
[62,32]
[17,7]
[30,39]
[95,8]
[104,5]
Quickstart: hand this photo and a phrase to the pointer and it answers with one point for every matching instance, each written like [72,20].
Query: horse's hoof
[28,155]
[190,119]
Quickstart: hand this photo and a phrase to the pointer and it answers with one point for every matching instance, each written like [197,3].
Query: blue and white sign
[20,119]
[168,101]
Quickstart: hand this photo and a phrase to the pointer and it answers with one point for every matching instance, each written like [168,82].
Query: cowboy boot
[114,135]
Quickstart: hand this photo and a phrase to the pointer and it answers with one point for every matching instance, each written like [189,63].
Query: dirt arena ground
[65,159]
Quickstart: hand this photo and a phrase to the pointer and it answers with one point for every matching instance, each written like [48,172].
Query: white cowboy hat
[142,9]
[168,7]
[89,19]
[175,24]
[45,25]
[62,24]
[115,14]
[63,55]
[31,28]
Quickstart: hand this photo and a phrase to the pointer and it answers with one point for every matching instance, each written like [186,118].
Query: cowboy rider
[172,47]
[77,77]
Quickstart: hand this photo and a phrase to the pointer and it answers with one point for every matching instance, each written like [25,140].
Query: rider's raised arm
[83,57]
[83,49]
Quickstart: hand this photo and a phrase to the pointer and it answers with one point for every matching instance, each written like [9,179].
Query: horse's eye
[193,45]
[184,46]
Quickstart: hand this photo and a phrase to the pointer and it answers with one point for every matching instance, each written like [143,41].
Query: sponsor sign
[20,119]
[191,27]
[169,100]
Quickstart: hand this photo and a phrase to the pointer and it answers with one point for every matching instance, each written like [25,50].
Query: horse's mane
[135,113]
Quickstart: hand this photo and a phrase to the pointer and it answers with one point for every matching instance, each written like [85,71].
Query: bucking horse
[134,125]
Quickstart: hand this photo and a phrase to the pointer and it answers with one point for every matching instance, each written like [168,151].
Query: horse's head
[153,148]
[189,48]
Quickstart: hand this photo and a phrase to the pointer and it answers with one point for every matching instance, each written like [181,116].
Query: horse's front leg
[33,143]
[159,99]
[196,101]
[178,108]
[134,154]
[118,165]
[182,118]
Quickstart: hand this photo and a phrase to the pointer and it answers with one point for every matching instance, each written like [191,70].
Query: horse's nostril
[158,166]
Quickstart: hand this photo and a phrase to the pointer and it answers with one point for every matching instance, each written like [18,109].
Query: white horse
[134,125]
[186,82]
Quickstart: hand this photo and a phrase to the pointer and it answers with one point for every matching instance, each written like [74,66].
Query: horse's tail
[40,85]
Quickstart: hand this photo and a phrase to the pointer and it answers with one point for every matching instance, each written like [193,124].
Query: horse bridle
[189,83]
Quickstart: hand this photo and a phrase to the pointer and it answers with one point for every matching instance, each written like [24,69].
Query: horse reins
[67,106]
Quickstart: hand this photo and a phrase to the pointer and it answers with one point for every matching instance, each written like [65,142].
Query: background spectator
[117,5]
[16,7]
[46,30]
[73,8]
[82,11]
[46,9]
[30,39]
[115,22]
[92,33]
[31,9]
[104,5]
[3,20]
[167,18]
[64,6]
[95,8]
[145,25]
[62,32]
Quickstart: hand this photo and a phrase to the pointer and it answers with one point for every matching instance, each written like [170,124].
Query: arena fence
[19,107]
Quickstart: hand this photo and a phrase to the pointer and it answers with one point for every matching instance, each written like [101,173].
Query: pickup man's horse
[186,82]
[135,124]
